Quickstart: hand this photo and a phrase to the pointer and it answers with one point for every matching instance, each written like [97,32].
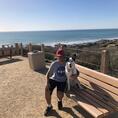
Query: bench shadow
[82,112]
[113,115]
[9,61]
[100,92]
[70,111]
[107,96]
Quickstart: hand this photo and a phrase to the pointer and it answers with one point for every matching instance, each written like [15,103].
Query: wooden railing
[103,64]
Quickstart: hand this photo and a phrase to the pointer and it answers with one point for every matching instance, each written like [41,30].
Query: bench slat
[87,106]
[91,101]
[109,105]
[100,76]
[102,104]
[102,84]
[100,96]
[112,97]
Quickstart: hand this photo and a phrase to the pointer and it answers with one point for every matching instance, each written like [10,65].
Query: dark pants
[60,85]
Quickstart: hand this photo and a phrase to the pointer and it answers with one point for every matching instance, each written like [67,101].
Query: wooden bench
[100,94]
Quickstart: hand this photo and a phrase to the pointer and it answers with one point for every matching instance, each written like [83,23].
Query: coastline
[79,42]
[73,44]
[51,38]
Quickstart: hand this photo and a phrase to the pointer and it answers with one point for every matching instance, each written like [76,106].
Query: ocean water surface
[54,37]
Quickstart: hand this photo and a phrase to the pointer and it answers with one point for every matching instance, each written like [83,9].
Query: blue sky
[20,15]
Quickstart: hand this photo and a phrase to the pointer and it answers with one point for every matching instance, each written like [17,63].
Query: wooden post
[30,47]
[8,50]
[104,67]
[21,48]
[3,49]
[17,48]
[0,52]
[11,51]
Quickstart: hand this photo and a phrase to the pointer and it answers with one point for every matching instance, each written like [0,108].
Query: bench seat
[100,94]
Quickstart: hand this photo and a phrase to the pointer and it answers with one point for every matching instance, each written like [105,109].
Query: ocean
[54,37]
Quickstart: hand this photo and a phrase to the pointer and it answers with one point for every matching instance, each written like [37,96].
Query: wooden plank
[104,67]
[17,48]
[6,52]
[110,106]
[100,83]
[100,76]
[21,49]
[13,51]
[0,53]
[87,106]
[103,106]
[107,95]
[111,102]
[88,98]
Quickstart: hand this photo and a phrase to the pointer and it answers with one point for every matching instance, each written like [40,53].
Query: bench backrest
[105,86]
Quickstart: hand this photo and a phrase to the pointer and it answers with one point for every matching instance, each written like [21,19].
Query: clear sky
[20,15]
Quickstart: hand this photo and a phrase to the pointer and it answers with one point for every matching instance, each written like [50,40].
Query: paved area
[22,93]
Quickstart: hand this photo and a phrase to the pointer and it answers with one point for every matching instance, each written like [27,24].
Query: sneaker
[60,105]
[48,110]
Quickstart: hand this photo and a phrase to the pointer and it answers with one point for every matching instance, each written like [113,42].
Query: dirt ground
[22,93]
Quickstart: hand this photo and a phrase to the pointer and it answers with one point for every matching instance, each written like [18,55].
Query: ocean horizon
[59,36]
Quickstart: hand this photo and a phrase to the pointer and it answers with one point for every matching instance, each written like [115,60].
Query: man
[56,77]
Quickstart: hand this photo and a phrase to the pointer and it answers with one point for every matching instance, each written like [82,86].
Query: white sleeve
[51,69]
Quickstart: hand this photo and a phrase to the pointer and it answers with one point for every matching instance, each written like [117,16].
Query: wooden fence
[102,57]
[19,49]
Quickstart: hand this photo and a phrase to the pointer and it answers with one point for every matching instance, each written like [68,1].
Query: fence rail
[79,50]
[99,60]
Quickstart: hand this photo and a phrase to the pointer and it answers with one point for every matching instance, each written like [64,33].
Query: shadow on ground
[55,114]
[8,61]
[82,111]
[42,71]
[70,111]
[114,115]
[87,115]
[65,109]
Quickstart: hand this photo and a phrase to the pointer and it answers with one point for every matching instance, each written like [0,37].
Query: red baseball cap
[60,52]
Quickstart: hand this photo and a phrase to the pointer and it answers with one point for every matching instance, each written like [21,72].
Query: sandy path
[22,94]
